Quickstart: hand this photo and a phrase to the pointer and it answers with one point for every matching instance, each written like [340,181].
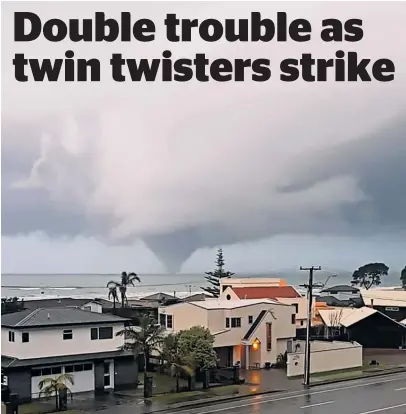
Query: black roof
[10,362]
[56,317]
[341,288]
[255,325]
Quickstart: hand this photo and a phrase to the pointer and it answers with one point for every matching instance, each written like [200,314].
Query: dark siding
[19,383]
[396,315]
[99,377]
[126,373]
[378,331]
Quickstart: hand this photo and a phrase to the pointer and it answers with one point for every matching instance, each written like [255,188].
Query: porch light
[255,344]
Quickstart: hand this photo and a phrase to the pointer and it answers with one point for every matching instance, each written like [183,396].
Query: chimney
[372,303]
[49,316]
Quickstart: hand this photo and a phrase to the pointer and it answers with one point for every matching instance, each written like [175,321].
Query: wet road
[385,394]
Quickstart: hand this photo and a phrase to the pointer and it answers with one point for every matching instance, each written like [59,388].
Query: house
[250,331]
[287,295]
[341,292]
[391,302]
[369,327]
[49,341]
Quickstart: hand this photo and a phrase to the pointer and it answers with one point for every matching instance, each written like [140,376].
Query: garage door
[83,377]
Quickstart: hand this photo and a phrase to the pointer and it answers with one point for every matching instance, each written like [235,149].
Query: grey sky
[283,174]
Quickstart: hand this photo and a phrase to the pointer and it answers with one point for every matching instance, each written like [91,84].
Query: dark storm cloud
[378,162]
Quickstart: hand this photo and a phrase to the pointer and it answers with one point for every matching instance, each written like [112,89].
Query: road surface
[380,395]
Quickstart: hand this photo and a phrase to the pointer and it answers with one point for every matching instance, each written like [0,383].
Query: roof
[268,292]
[56,317]
[64,303]
[158,296]
[345,316]
[384,297]
[197,296]
[55,303]
[341,288]
[233,304]
[10,362]
[255,325]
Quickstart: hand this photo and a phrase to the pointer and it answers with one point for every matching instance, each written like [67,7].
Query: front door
[107,374]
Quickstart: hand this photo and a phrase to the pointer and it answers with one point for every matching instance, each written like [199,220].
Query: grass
[175,398]
[35,408]
[347,373]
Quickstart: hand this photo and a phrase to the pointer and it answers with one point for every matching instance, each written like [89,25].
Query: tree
[127,279]
[369,275]
[113,295]
[144,339]
[198,342]
[52,385]
[176,358]
[214,277]
[403,277]
[10,305]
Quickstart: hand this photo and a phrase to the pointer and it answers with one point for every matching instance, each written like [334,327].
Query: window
[162,319]
[268,336]
[69,368]
[94,333]
[250,319]
[25,337]
[106,333]
[236,322]
[227,322]
[393,309]
[11,336]
[228,297]
[88,308]
[67,334]
[78,368]
[46,371]
[169,321]
[296,307]
[101,333]
[301,323]
[87,367]
[293,318]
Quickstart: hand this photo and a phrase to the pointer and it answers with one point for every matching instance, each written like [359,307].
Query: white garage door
[83,377]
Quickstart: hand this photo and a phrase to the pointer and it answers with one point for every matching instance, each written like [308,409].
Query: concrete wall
[47,342]
[325,356]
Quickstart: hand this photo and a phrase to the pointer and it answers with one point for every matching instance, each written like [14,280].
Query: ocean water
[92,285]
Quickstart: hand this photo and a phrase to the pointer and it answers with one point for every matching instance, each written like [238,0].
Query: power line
[309,286]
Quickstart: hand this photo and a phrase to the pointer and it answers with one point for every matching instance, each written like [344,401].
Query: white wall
[185,315]
[47,342]
[94,307]
[326,356]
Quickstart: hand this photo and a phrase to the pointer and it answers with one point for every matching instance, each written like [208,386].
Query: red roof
[270,292]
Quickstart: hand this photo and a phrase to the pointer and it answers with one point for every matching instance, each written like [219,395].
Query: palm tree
[146,338]
[179,364]
[127,279]
[50,385]
[113,295]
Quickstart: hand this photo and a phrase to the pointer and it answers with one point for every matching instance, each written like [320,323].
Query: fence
[326,356]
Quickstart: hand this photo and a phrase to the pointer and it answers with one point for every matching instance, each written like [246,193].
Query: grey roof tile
[56,316]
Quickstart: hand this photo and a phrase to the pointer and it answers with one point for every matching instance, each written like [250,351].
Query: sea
[37,286]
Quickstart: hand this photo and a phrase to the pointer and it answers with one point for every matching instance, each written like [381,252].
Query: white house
[250,331]
[46,342]
[287,295]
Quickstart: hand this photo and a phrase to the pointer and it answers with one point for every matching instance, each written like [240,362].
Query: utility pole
[309,286]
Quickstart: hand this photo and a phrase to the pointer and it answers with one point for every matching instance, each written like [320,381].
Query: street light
[326,281]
